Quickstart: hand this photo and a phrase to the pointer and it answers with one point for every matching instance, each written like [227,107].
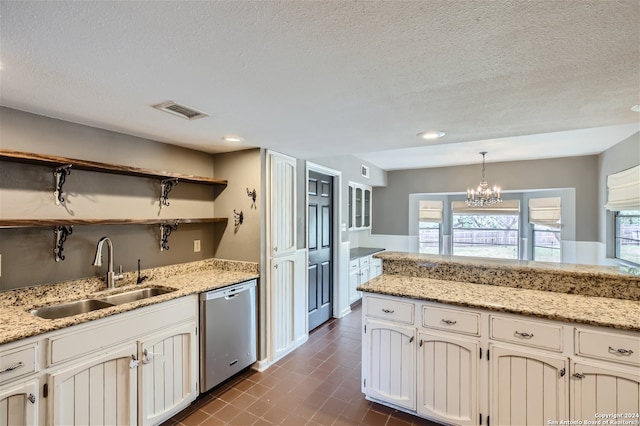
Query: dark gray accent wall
[26,192]
[391,203]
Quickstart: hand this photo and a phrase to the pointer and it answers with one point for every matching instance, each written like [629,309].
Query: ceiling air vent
[180,110]
[364,171]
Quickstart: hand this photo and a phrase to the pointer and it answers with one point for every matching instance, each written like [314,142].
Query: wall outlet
[196,246]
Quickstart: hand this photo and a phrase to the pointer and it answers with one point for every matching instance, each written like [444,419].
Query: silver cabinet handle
[578,375]
[523,335]
[31,398]
[388,311]
[621,351]
[448,322]
[148,356]
[12,367]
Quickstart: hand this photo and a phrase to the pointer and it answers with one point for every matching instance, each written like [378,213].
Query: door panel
[320,222]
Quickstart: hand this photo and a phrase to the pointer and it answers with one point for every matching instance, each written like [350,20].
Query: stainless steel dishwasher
[227,332]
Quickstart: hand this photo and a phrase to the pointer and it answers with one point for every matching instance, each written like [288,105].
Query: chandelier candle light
[483,196]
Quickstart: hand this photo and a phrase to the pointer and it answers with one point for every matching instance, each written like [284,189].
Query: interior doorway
[320,222]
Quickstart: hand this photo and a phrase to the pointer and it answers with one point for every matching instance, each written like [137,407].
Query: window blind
[431,211]
[623,190]
[545,211]
[506,207]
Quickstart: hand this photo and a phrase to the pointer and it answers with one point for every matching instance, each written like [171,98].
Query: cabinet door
[366,208]
[390,360]
[351,207]
[19,404]
[281,305]
[168,371]
[102,391]
[527,388]
[599,389]
[283,205]
[354,282]
[448,378]
[358,207]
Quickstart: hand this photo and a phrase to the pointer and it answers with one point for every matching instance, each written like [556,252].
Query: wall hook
[61,174]
[165,231]
[62,232]
[166,185]
[239,217]
[253,195]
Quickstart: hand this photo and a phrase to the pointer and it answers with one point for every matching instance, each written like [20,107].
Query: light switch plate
[196,246]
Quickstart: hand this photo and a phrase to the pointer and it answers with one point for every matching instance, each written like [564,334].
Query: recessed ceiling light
[431,135]
[635,108]
[231,139]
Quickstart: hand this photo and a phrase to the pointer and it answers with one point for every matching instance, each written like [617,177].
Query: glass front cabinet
[359,206]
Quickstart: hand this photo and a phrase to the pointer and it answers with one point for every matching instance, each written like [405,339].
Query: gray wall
[350,167]
[621,156]
[391,203]
[27,192]
[242,169]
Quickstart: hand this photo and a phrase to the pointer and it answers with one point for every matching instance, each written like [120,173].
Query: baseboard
[346,311]
[261,365]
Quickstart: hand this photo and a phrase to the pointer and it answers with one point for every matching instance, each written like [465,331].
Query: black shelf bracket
[60,174]
[166,185]
[62,232]
[165,231]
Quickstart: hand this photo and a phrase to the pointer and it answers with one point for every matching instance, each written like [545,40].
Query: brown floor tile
[317,384]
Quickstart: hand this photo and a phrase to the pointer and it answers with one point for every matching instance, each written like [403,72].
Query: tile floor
[317,384]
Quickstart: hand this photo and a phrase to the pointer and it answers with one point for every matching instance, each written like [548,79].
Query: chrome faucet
[111,277]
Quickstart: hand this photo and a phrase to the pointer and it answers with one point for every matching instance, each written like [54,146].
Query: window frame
[617,238]
[533,242]
[439,227]
[517,230]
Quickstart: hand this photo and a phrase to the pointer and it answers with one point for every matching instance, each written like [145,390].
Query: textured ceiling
[326,78]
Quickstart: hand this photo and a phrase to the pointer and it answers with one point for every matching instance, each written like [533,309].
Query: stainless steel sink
[139,294]
[71,308]
[87,305]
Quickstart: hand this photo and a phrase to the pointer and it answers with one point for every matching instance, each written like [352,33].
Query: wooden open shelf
[43,223]
[54,161]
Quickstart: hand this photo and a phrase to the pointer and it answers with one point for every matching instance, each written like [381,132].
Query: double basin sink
[84,306]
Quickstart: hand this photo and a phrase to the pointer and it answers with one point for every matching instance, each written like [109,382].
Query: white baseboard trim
[261,365]
[346,311]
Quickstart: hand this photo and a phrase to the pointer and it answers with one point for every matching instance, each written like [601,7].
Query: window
[429,238]
[628,236]
[545,215]
[429,225]
[486,231]
[546,243]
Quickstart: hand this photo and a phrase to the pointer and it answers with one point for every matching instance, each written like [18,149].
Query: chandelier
[483,196]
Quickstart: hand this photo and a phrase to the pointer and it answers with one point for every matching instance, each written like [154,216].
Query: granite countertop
[358,252]
[599,311]
[17,323]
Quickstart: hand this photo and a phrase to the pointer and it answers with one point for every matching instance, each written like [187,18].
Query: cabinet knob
[448,322]
[31,398]
[578,375]
[388,311]
[523,335]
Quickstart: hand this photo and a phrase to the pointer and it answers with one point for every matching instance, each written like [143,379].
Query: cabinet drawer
[608,346]
[392,310]
[354,265]
[451,320]
[18,362]
[365,261]
[527,333]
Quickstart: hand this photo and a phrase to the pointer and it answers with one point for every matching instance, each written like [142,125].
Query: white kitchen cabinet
[282,309]
[168,369]
[375,268]
[603,388]
[359,271]
[527,388]
[480,367]
[282,205]
[100,390]
[19,403]
[359,206]
[448,378]
[390,353]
